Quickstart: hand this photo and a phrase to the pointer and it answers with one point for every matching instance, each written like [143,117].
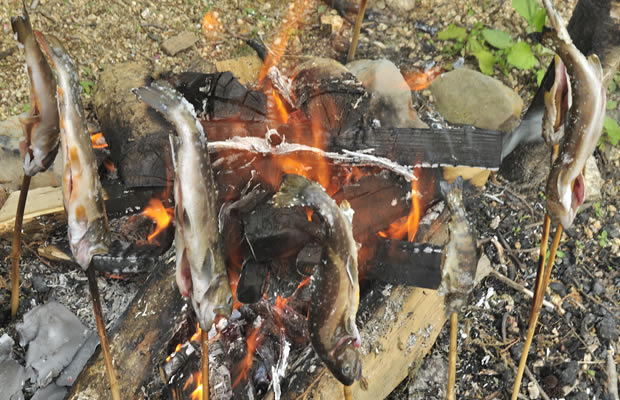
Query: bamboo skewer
[103,336]
[356,30]
[16,252]
[204,340]
[348,395]
[454,318]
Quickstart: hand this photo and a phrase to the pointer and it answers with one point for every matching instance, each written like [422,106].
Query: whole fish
[88,229]
[584,123]
[460,256]
[335,300]
[201,269]
[40,124]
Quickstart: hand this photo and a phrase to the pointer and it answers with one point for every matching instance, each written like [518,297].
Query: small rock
[464,96]
[597,287]
[517,350]
[50,392]
[607,329]
[6,347]
[593,181]
[569,373]
[39,284]
[12,377]
[579,396]
[558,287]
[331,23]
[400,5]
[245,69]
[178,43]
[533,391]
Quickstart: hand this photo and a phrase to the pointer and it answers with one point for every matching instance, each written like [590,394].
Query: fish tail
[294,191]
[559,31]
[21,26]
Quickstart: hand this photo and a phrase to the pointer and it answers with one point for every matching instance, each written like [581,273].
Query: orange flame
[98,141]
[158,213]
[420,80]
[243,366]
[197,393]
[296,11]
[407,225]
[210,23]
[281,113]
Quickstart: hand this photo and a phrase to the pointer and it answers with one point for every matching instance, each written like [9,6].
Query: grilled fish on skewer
[460,255]
[89,233]
[557,102]
[334,303]
[201,270]
[41,126]
[584,123]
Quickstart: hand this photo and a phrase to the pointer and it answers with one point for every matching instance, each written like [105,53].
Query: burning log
[138,340]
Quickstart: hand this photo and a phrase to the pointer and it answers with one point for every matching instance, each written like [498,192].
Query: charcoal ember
[308,258]
[252,281]
[261,378]
[275,233]
[330,96]
[178,361]
[220,96]
[281,318]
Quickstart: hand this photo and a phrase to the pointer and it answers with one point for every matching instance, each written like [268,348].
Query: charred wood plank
[139,341]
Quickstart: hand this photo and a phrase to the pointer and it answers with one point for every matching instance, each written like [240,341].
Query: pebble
[607,329]
[178,43]
[578,396]
[598,288]
[558,287]
[569,373]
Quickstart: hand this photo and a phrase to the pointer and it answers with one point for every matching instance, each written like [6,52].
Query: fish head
[565,196]
[344,361]
[215,301]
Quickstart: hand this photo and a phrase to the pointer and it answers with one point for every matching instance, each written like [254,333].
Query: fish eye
[346,369]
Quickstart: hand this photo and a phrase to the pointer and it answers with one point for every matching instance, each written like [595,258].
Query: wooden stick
[356,30]
[16,252]
[103,337]
[454,326]
[348,395]
[204,339]
[542,281]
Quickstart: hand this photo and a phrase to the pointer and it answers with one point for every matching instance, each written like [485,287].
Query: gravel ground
[571,348]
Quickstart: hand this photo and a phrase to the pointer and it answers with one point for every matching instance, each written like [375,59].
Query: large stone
[390,96]
[245,69]
[12,170]
[178,43]
[464,96]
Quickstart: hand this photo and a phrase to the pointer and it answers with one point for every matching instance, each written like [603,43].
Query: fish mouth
[571,202]
[344,341]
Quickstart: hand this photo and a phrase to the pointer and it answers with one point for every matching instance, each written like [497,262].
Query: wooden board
[41,201]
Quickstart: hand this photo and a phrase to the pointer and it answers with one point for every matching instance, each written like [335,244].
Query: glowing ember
[109,165]
[196,336]
[282,115]
[243,367]
[197,393]
[408,225]
[98,141]
[158,213]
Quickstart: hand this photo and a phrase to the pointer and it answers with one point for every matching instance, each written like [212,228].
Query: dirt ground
[571,347]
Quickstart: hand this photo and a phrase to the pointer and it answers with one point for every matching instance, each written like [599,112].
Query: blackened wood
[252,281]
[139,341]
[405,263]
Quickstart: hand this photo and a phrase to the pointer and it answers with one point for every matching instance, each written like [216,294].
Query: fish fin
[21,26]
[448,187]
[595,62]
[291,191]
[348,212]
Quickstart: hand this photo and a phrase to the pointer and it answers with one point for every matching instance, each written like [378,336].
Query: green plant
[602,238]
[87,86]
[597,209]
[490,47]
[533,13]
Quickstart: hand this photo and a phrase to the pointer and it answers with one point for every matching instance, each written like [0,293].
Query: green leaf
[453,32]
[612,130]
[86,86]
[322,9]
[473,45]
[496,38]
[533,13]
[540,74]
[521,56]
[539,19]
[486,61]
[611,104]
